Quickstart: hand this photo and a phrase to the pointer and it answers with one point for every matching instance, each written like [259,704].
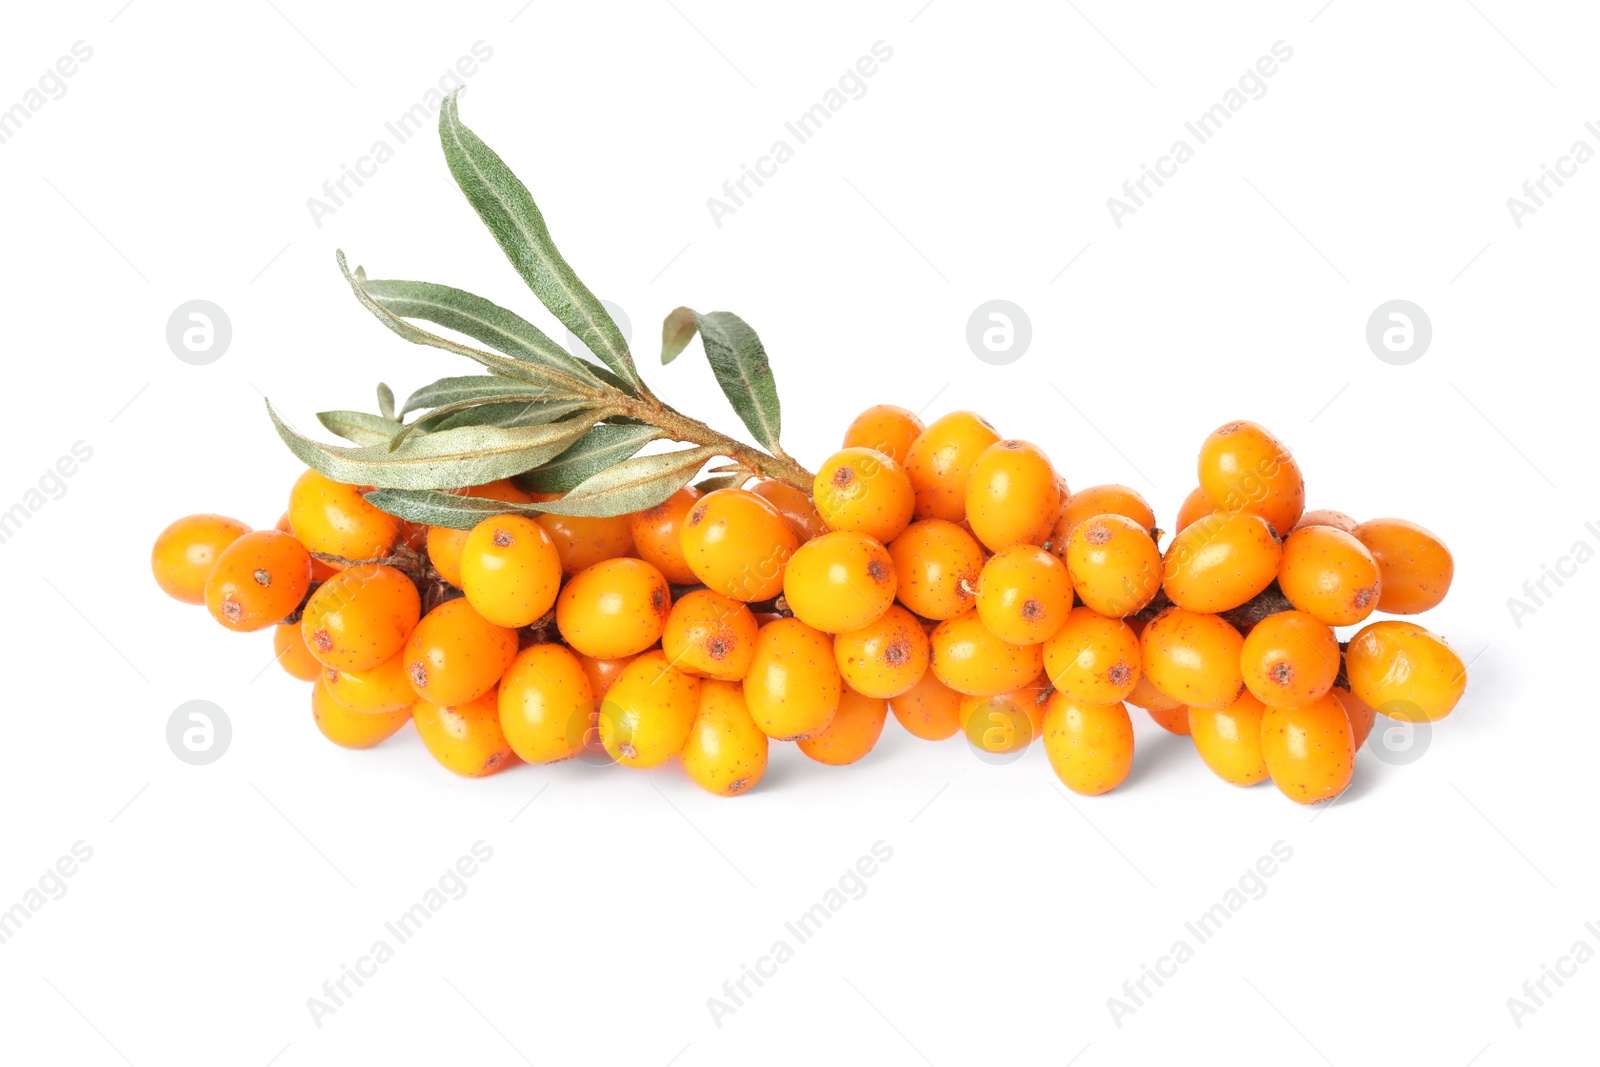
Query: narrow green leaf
[431,507]
[503,413]
[506,207]
[448,459]
[739,361]
[677,330]
[385,400]
[359,426]
[721,481]
[477,388]
[602,447]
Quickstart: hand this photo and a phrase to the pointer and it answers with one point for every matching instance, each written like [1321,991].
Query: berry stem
[691,430]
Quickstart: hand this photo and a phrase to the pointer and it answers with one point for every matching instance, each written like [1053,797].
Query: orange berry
[1220,561]
[1193,657]
[864,491]
[657,535]
[796,507]
[465,738]
[884,428]
[1114,564]
[445,544]
[792,688]
[1145,695]
[1013,497]
[1006,723]
[1289,658]
[336,520]
[1243,467]
[289,649]
[726,752]
[1309,749]
[710,635]
[1415,565]
[1229,739]
[1024,594]
[737,544]
[353,729]
[603,673]
[940,459]
[1173,720]
[1362,715]
[1093,659]
[375,690]
[930,709]
[455,655]
[582,541]
[853,731]
[1330,575]
[545,704]
[1100,500]
[1404,671]
[360,617]
[884,658]
[186,550]
[615,608]
[649,713]
[839,582]
[937,566]
[258,580]
[969,659]
[1327,517]
[320,571]
[1194,506]
[1090,746]
[510,570]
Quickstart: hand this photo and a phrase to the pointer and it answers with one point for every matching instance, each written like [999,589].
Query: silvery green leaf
[721,481]
[602,447]
[361,427]
[508,210]
[677,330]
[385,400]
[477,388]
[448,459]
[504,413]
[740,364]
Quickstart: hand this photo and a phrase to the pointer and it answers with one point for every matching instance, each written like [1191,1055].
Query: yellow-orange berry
[1362,715]
[936,566]
[1220,561]
[1330,575]
[603,673]
[1243,467]
[852,732]
[737,544]
[353,729]
[510,570]
[840,581]
[336,520]
[930,709]
[1404,671]
[940,459]
[289,649]
[615,608]
[796,507]
[258,580]
[1193,657]
[793,686]
[1229,739]
[1024,594]
[1309,749]
[1100,500]
[582,541]
[1289,658]
[1090,746]
[726,752]
[1093,659]
[455,655]
[465,738]
[445,544]
[1013,497]
[1172,720]
[1327,517]
[185,552]
[1145,695]
[884,658]
[1006,723]
[360,617]
[1114,564]
[545,704]
[648,714]
[710,635]
[971,660]
[1415,565]
[377,689]
[1194,506]
[657,535]
[864,491]
[884,428]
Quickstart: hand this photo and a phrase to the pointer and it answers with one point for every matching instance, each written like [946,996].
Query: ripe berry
[648,714]
[1194,506]
[1024,594]
[1405,672]
[971,660]
[289,649]
[185,552]
[941,458]
[1145,695]
[360,617]
[320,571]
[884,658]
[1114,565]
[375,690]
[884,428]
[445,544]
[796,507]
[1330,575]
[455,655]
[1193,657]
[1229,739]
[930,709]
[726,753]
[1220,561]
[936,566]
[710,635]
[1173,720]
[1093,659]
[545,704]
[616,608]
[1243,467]
[260,578]
[793,686]
[1362,716]
[840,581]
[737,544]
[864,491]
[603,673]
[465,738]
[1090,746]
[1327,517]
[1100,500]
[336,520]
[1013,495]
[851,734]
[1309,749]
[1415,565]
[348,728]
[1005,723]
[657,535]
[581,541]
[1289,658]
[510,570]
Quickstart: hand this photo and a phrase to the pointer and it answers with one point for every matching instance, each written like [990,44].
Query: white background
[977,165]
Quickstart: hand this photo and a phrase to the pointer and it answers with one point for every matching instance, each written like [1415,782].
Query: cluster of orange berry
[936,572]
